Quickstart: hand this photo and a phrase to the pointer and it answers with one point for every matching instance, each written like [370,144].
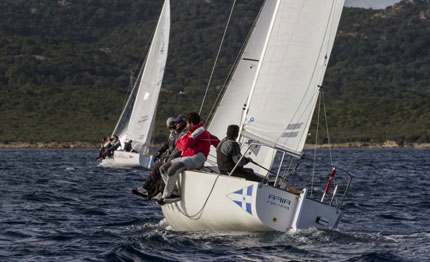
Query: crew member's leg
[177,166]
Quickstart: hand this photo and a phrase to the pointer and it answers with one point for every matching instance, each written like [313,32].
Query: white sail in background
[292,69]
[144,108]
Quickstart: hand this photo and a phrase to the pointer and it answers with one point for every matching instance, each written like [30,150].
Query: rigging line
[217,56]
[288,168]
[315,150]
[326,126]
[204,205]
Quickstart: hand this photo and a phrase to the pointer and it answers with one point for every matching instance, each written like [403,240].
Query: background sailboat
[137,119]
[271,96]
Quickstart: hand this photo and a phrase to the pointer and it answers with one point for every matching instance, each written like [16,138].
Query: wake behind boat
[136,123]
[271,96]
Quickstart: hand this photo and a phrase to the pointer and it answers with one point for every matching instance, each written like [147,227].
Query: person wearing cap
[166,149]
[194,145]
[181,130]
[153,182]
[154,185]
[228,156]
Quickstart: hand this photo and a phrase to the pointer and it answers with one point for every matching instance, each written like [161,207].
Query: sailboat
[136,122]
[272,96]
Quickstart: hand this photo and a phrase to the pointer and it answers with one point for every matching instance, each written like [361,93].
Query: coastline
[87,145]
[386,144]
[50,145]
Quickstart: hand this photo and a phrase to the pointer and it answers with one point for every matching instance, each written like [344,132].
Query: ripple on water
[57,205]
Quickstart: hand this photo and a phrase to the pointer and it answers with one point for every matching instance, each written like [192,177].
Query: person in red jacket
[194,146]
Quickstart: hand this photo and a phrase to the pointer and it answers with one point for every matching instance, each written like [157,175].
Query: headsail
[143,100]
[230,109]
[295,59]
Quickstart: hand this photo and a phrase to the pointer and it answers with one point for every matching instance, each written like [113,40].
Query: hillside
[65,67]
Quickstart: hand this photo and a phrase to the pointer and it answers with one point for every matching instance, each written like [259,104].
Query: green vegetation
[65,67]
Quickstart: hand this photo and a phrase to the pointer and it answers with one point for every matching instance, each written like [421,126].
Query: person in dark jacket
[127,146]
[105,143]
[153,182]
[154,185]
[228,155]
[114,145]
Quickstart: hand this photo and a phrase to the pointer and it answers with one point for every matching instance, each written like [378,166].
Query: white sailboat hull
[214,202]
[121,159]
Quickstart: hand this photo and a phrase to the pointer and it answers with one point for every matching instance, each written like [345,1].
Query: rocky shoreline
[86,145]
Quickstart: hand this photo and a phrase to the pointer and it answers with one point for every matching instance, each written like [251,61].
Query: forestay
[292,68]
[141,119]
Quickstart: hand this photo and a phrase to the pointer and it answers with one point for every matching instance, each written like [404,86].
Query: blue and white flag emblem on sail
[243,198]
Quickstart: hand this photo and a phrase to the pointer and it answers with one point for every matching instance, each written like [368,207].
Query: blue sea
[57,205]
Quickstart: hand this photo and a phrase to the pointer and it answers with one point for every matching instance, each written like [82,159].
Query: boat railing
[340,172]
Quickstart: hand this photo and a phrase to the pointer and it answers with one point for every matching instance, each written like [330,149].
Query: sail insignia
[243,198]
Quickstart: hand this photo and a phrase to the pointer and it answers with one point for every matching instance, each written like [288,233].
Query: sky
[374,4]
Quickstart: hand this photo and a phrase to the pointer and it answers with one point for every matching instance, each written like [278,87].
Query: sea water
[57,205]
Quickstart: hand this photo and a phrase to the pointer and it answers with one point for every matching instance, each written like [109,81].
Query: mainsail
[137,120]
[286,89]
